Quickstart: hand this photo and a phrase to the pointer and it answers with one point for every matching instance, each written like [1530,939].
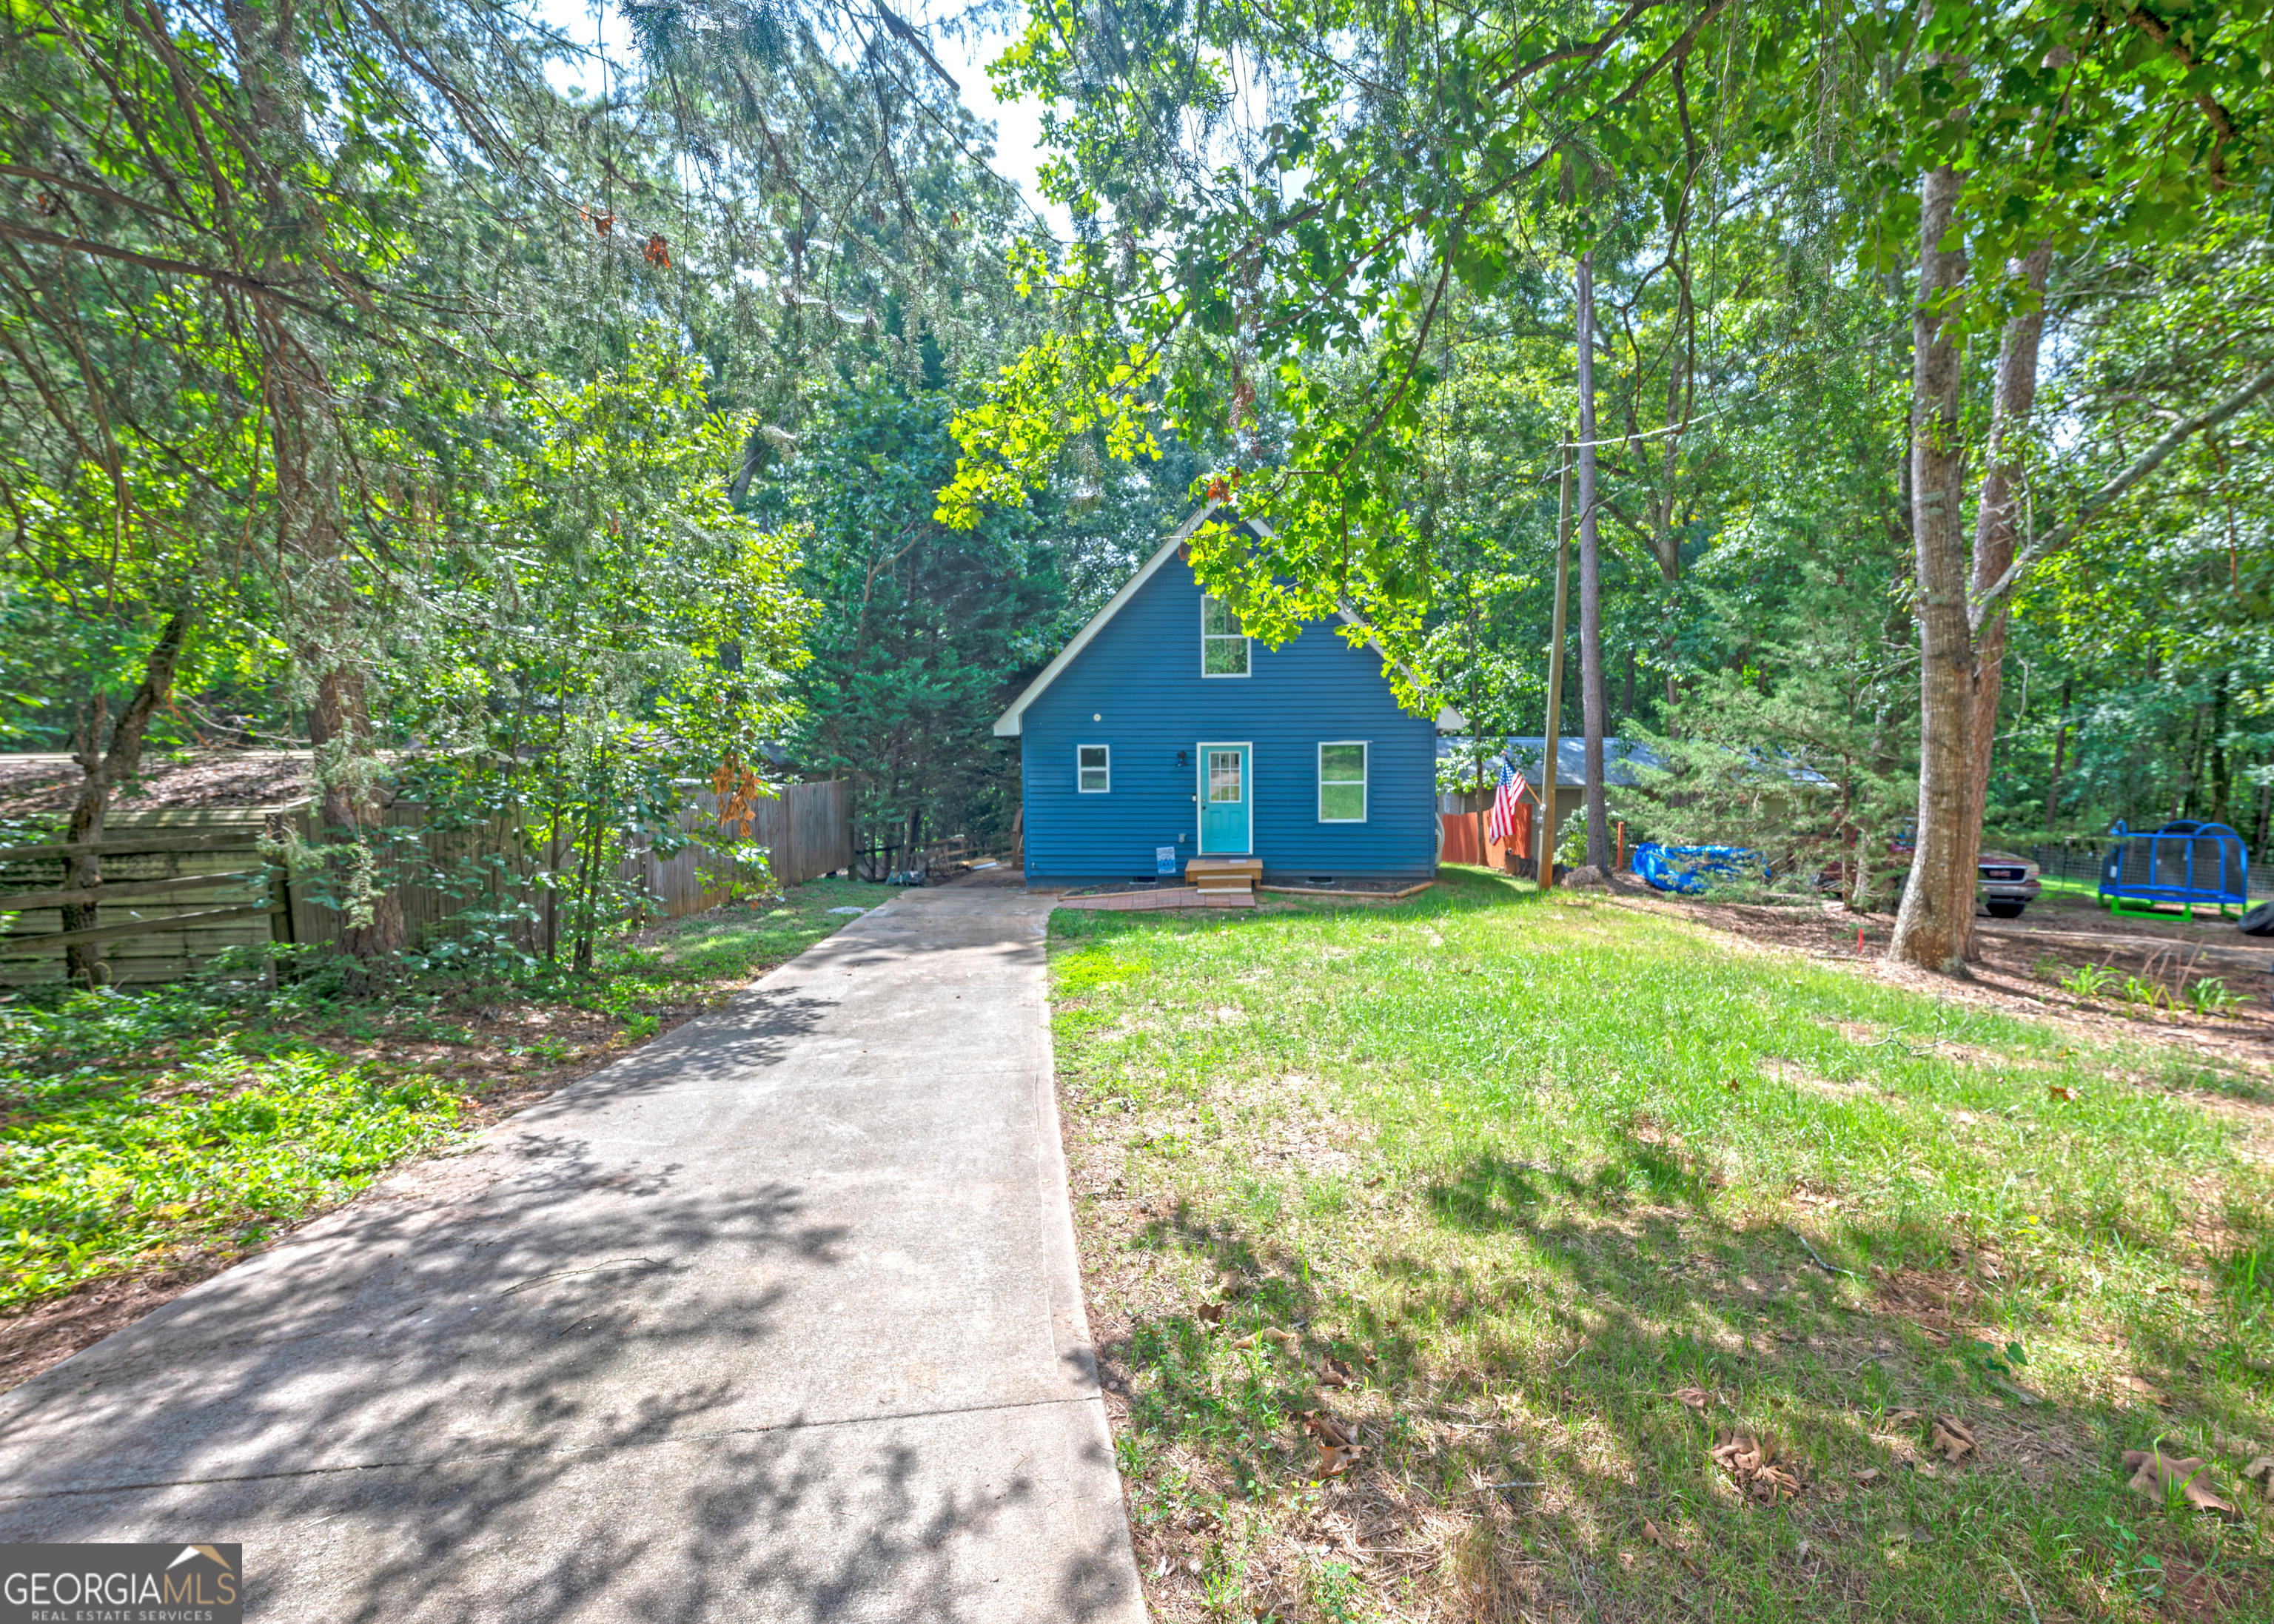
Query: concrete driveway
[776,1319]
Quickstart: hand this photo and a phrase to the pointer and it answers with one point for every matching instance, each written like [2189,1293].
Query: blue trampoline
[2185,863]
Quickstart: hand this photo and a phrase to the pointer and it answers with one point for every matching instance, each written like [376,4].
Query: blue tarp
[1688,869]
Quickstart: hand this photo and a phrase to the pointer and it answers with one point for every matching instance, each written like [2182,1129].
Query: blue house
[1162,733]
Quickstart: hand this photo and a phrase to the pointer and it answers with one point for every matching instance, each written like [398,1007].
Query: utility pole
[1545,856]
[1592,706]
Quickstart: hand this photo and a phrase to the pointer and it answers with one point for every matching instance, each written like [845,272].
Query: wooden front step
[1224,873]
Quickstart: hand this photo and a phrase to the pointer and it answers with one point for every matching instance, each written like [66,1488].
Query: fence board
[182,863]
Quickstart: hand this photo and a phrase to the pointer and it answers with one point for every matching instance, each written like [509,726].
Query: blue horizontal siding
[1141,677]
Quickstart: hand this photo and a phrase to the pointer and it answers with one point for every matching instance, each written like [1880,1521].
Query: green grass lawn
[1565,1187]
[144,1129]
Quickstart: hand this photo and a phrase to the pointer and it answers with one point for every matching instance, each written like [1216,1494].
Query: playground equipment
[2185,863]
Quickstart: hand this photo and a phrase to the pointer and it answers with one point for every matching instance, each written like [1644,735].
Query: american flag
[1511,792]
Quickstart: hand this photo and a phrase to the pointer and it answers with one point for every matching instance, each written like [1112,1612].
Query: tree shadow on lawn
[564,1375]
[1550,1362]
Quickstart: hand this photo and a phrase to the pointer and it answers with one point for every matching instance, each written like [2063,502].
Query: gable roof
[1012,723]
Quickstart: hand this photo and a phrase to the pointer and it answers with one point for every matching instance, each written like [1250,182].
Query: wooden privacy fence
[178,887]
[176,890]
[807,830]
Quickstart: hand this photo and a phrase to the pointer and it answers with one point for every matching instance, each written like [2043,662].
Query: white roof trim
[1012,723]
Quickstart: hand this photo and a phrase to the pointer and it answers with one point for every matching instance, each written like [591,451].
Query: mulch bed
[2019,964]
[30,786]
[1180,897]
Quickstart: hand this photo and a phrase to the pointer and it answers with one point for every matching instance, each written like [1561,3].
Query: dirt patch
[210,779]
[54,1331]
[1812,1082]
[2218,1592]
[1939,1303]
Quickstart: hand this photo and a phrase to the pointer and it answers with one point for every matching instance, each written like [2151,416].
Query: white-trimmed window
[1342,781]
[1224,646]
[1092,768]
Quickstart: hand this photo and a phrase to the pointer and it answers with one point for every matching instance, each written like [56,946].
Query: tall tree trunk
[1480,795]
[2184,807]
[1552,752]
[305,426]
[1996,529]
[339,725]
[1476,725]
[1681,376]
[2060,753]
[1591,581]
[2222,785]
[103,767]
[1935,926]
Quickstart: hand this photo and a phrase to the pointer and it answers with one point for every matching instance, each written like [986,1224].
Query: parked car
[2008,881]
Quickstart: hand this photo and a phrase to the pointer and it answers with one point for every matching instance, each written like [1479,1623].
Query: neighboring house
[1162,733]
[1570,775]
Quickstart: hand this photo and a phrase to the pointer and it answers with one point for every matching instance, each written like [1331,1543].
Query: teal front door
[1227,795]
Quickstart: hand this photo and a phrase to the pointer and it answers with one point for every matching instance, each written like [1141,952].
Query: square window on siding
[1224,646]
[1342,783]
[1093,767]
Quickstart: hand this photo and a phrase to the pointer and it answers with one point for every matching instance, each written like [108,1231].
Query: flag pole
[1545,857]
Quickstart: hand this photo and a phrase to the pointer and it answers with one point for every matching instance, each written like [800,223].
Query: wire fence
[2081,865]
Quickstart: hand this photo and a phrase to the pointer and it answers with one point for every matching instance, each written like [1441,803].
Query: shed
[1162,733]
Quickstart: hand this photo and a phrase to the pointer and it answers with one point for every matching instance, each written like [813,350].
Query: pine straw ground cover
[150,1137]
[1484,1257]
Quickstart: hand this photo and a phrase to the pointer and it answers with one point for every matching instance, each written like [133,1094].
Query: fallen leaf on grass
[1339,1448]
[1657,1536]
[2157,1474]
[2060,1092]
[2260,1471]
[1330,1432]
[1335,1373]
[1752,1463]
[1700,1399]
[1283,1338]
[1951,1437]
[2147,1390]
[1211,1314]
[1869,1476]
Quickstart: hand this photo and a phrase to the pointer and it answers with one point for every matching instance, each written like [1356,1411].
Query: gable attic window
[1093,766]
[1224,646]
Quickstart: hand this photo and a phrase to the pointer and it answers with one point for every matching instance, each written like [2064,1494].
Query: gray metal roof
[1571,756]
